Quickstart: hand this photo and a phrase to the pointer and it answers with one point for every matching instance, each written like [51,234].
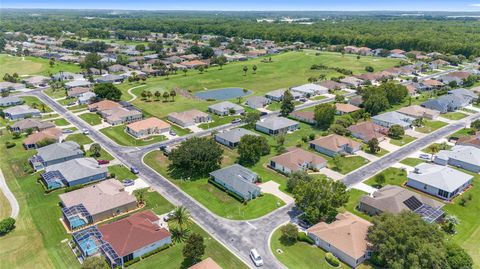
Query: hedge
[148,254]
[332,260]
[130,262]
[303,237]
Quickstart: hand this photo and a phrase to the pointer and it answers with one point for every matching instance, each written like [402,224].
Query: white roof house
[389,119]
[310,89]
[466,157]
[440,181]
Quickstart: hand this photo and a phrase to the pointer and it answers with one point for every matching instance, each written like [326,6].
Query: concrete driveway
[367,156]
[329,173]
[272,187]
[385,144]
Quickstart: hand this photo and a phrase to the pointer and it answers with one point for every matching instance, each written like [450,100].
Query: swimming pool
[76,222]
[89,246]
[223,94]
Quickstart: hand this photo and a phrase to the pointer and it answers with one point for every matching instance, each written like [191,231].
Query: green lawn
[179,130]
[77,108]
[380,153]
[285,70]
[61,122]
[403,141]
[353,200]
[299,255]
[91,118]
[454,115]
[121,172]
[104,155]
[58,93]
[430,126]
[216,200]
[218,120]
[81,139]
[464,132]
[274,106]
[121,137]
[67,101]
[441,146]
[393,176]
[34,102]
[347,163]
[33,66]
[412,161]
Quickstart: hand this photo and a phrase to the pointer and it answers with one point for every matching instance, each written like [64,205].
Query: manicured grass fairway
[37,239]
[33,66]
[412,161]
[91,118]
[216,200]
[118,134]
[454,115]
[403,141]
[285,70]
[430,126]
[81,139]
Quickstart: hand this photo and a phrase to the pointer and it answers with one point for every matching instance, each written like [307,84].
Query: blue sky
[345,5]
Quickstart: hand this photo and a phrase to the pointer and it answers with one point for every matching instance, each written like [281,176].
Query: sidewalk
[10,197]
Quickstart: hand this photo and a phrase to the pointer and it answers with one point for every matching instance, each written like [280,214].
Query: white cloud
[475,5]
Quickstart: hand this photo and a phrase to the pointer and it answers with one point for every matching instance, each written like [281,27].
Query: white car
[86,132]
[425,156]
[256,258]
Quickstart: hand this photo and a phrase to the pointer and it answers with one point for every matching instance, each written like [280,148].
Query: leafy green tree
[245,70]
[95,150]
[140,47]
[296,177]
[92,60]
[320,198]
[251,118]
[457,257]
[140,195]
[375,100]
[221,61]
[165,95]
[373,145]
[396,93]
[339,98]
[207,52]
[475,125]
[173,93]
[324,115]
[251,148]
[193,250]
[107,91]
[194,158]
[287,106]
[254,68]
[157,95]
[406,241]
[95,262]
[289,233]
[380,179]
[369,69]
[7,225]
[396,131]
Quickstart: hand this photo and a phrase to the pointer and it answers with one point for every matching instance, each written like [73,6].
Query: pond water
[222,94]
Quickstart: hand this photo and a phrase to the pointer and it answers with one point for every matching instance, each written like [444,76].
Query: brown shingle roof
[135,232]
[208,263]
[334,142]
[418,111]
[369,130]
[432,83]
[148,123]
[296,157]
[50,133]
[104,105]
[348,234]
[346,108]
[307,116]
[473,140]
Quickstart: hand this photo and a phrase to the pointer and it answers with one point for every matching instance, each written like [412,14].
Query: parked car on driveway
[173,133]
[168,216]
[128,182]
[425,156]
[103,161]
[236,120]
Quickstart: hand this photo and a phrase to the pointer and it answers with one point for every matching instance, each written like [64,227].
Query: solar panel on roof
[412,203]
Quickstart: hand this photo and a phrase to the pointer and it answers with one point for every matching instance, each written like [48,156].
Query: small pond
[222,94]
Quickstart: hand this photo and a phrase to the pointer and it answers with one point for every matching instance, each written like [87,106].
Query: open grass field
[285,70]
[32,66]
[403,141]
[121,137]
[216,200]
[430,126]
[91,118]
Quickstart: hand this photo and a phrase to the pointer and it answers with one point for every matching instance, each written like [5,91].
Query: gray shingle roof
[225,106]
[235,135]
[394,117]
[440,177]
[22,109]
[59,151]
[466,154]
[276,123]
[238,177]
[77,168]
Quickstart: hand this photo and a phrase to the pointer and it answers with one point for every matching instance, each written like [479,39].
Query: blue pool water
[89,247]
[76,222]
[222,94]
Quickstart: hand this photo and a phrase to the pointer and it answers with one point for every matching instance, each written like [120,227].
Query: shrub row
[332,260]
[148,254]
[130,262]
[303,237]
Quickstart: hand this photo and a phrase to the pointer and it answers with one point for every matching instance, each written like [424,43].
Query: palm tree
[140,195]
[181,217]
[254,67]
[434,149]
[166,95]
[245,69]
[144,95]
[149,95]
[173,93]
[157,95]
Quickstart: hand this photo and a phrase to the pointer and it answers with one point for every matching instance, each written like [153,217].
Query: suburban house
[121,115]
[103,105]
[440,181]
[345,238]
[303,116]
[95,203]
[277,95]
[6,86]
[276,125]
[55,153]
[334,144]
[78,83]
[148,127]
[237,179]
[310,89]
[418,112]
[256,102]
[77,91]
[36,81]
[389,119]
[447,103]
[395,199]
[231,138]
[473,141]
[345,108]
[73,172]
[432,84]
[189,117]
[368,130]
[466,157]
[110,79]
[86,98]
[20,112]
[10,101]
[208,263]
[36,125]
[469,95]
[352,81]
[123,240]
[226,108]
[296,159]
[356,100]
[457,76]
[51,134]
[194,64]
[331,85]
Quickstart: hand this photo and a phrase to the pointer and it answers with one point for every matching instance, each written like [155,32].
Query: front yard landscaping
[454,115]
[403,141]
[81,139]
[120,136]
[346,164]
[430,126]
[91,118]
[412,161]
[393,176]
[218,120]
[121,172]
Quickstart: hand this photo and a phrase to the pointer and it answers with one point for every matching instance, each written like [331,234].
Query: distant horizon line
[237,10]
